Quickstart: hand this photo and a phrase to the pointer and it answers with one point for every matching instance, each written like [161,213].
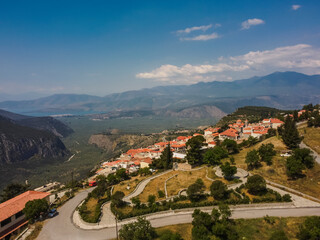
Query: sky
[101,47]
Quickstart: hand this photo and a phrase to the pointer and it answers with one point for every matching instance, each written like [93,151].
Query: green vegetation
[214,155]
[290,134]
[252,114]
[219,190]
[214,226]
[166,159]
[12,190]
[300,160]
[194,153]
[139,230]
[195,190]
[35,208]
[256,185]
[228,171]
[310,229]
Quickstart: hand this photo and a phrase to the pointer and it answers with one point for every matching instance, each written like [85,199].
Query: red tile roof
[17,204]
[230,133]
[276,120]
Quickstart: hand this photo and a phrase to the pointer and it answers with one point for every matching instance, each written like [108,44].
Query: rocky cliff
[19,143]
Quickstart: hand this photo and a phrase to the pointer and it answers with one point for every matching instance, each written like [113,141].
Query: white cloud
[251,22]
[300,57]
[203,37]
[295,7]
[197,28]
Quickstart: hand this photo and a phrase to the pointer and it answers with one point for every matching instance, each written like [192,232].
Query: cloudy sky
[101,47]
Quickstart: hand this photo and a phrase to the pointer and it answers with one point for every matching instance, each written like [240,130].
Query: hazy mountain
[19,143]
[280,89]
[42,123]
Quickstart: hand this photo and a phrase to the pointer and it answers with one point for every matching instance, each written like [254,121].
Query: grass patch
[310,184]
[133,182]
[185,179]
[183,229]
[311,137]
[253,229]
[154,186]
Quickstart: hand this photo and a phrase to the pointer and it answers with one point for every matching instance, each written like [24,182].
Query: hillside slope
[42,123]
[19,143]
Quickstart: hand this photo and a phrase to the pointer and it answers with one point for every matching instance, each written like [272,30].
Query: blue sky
[100,47]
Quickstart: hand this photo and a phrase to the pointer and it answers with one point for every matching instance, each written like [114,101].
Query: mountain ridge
[281,87]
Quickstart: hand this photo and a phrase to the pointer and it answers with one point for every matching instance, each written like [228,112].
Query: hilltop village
[134,159]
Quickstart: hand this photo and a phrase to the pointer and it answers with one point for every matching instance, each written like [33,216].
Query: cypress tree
[290,134]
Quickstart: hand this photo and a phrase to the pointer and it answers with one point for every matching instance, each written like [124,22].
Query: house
[11,216]
[230,134]
[212,144]
[179,155]
[275,123]
[145,162]
[178,147]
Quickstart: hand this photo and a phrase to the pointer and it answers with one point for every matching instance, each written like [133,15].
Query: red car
[92,183]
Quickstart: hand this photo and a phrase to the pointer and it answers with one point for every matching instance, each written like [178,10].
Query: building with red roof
[230,134]
[12,218]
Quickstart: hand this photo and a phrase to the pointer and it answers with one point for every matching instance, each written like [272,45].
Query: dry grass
[37,229]
[132,183]
[311,137]
[183,229]
[310,184]
[253,229]
[91,206]
[154,186]
[185,179]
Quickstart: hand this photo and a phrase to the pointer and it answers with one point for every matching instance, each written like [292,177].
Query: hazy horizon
[100,47]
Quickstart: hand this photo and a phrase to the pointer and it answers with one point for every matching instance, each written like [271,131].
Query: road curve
[61,226]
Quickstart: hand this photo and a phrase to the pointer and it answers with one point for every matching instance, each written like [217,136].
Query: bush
[161,194]
[219,190]
[256,185]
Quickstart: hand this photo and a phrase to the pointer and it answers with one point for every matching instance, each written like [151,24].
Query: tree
[112,179]
[228,170]
[214,226]
[33,209]
[13,190]
[122,174]
[116,199]
[310,229]
[195,191]
[166,159]
[151,199]
[256,185]
[294,167]
[219,190]
[290,134]
[266,152]
[194,153]
[145,171]
[252,159]
[231,146]
[136,201]
[139,230]
[214,155]
[304,154]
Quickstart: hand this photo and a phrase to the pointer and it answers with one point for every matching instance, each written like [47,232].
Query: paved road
[315,154]
[61,227]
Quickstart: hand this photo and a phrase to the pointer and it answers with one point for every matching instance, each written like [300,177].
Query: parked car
[53,212]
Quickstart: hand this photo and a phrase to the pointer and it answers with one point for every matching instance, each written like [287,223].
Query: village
[135,159]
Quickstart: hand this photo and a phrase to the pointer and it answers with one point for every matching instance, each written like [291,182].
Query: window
[19,214]
[5,222]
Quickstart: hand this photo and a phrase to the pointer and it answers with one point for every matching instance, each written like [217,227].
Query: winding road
[63,227]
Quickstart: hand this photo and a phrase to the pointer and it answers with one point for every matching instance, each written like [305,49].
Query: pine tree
[290,134]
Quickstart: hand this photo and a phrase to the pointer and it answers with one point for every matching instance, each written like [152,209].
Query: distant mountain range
[284,90]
